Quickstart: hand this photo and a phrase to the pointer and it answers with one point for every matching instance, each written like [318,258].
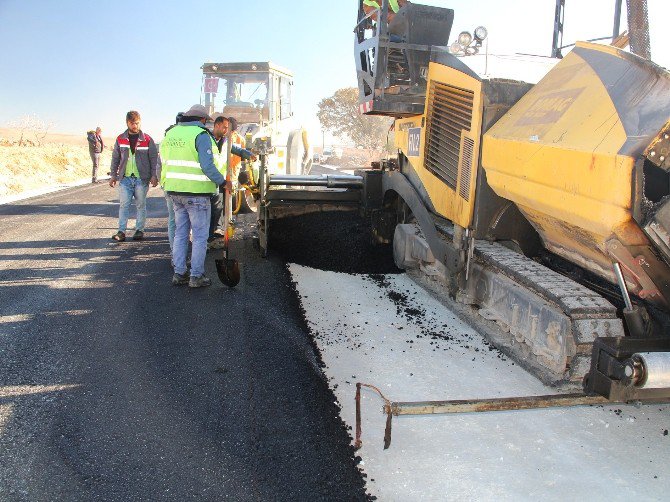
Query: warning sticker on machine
[548,109]
[413,141]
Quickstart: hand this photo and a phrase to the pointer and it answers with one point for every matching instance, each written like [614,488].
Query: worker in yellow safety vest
[190,178]
[216,226]
[372,5]
[220,131]
[238,141]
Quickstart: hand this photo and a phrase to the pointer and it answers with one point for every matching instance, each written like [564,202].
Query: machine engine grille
[466,168]
[449,113]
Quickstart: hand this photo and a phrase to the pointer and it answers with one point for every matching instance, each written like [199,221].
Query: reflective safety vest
[181,168]
[221,159]
[239,142]
[393,4]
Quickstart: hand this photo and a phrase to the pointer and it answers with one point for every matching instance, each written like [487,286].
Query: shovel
[228,269]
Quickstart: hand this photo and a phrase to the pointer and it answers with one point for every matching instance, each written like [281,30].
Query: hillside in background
[61,159]
[64,158]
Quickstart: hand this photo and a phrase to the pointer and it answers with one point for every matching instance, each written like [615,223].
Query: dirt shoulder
[61,159]
[12,135]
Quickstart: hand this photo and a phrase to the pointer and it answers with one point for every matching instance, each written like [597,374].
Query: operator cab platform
[392,58]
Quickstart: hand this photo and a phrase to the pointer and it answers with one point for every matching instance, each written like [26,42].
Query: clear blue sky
[85,63]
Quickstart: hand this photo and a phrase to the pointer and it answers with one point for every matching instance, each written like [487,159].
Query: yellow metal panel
[447,202]
[597,199]
[555,154]
[402,127]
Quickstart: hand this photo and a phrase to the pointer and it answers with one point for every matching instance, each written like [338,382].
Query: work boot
[217,243]
[180,279]
[199,282]
[138,236]
[119,236]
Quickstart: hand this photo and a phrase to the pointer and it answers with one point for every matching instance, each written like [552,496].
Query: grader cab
[258,95]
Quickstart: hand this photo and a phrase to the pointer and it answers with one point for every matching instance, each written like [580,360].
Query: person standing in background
[95,148]
[134,166]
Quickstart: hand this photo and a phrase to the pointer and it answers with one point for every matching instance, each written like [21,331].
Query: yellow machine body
[521,199]
[566,155]
[454,107]
[571,153]
[561,165]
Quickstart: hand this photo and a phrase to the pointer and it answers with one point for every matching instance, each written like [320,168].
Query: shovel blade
[228,271]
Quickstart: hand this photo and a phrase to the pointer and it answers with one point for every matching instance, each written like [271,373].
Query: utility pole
[616,30]
[559,17]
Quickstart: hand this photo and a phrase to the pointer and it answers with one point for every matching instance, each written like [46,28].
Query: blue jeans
[191,213]
[171,224]
[217,201]
[130,187]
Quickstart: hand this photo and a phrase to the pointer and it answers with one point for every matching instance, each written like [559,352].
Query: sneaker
[180,279]
[138,236]
[199,282]
[119,236]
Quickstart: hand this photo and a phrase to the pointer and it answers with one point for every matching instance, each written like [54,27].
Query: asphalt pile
[335,241]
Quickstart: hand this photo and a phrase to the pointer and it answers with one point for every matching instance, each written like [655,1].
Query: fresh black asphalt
[115,385]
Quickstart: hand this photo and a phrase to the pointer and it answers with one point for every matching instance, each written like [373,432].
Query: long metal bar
[494,404]
[326,180]
[468,406]
[559,14]
[599,39]
[622,286]
[616,30]
[228,200]
[290,196]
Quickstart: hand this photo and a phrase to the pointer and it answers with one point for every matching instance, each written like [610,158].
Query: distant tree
[31,124]
[23,125]
[340,115]
[40,130]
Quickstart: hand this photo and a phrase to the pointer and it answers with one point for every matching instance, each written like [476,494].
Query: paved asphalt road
[115,385]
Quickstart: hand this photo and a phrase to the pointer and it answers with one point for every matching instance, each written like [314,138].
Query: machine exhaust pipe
[638,27]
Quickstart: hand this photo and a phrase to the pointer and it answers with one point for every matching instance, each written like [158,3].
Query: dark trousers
[216,222]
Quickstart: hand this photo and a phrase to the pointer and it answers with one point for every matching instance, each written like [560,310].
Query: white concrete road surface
[387,331]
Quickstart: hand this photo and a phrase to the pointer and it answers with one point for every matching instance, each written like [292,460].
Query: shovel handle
[228,196]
